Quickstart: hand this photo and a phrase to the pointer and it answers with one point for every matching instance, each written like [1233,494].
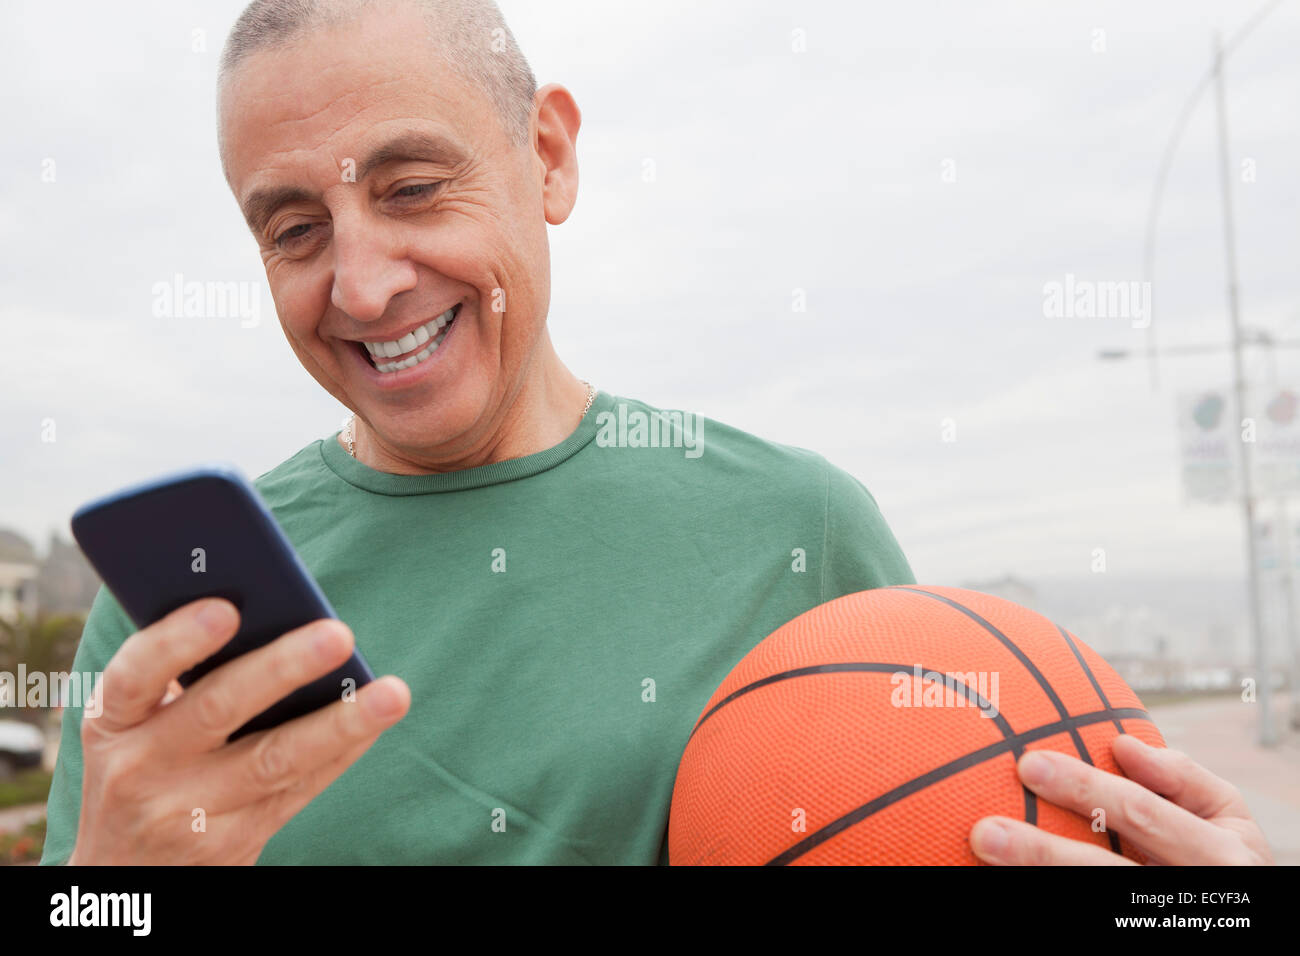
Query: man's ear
[555,141]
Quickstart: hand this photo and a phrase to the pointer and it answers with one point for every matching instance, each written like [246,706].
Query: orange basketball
[877,728]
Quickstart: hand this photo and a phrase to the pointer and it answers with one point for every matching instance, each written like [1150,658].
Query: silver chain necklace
[349,431]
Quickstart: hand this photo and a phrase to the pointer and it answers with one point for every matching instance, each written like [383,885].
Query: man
[559,577]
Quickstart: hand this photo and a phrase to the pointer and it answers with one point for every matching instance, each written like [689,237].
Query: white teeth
[412,339]
[431,332]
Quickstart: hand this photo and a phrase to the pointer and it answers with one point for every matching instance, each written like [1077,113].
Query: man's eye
[292,236]
[416,190]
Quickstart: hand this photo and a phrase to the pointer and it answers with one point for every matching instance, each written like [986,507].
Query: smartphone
[207,533]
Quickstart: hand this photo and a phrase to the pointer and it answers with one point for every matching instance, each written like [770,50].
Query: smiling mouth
[411,349]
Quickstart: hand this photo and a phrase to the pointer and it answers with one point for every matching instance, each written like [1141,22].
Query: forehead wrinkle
[239,86]
[359,112]
[340,100]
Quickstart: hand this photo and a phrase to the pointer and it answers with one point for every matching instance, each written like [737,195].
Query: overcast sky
[921,170]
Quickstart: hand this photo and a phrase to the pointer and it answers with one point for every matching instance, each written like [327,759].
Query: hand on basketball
[1169,807]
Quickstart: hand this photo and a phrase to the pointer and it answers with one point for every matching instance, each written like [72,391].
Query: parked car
[21,746]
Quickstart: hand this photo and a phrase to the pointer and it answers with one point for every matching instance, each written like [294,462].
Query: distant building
[1006,587]
[1143,673]
[63,582]
[18,573]
[67,584]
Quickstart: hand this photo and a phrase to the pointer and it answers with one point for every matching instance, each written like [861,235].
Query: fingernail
[1036,768]
[324,641]
[993,838]
[383,701]
[215,617]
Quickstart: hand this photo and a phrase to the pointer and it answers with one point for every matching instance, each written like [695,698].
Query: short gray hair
[471,35]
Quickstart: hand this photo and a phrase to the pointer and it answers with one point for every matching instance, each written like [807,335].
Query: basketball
[878,728]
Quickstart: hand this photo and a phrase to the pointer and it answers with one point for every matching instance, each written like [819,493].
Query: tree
[46,643]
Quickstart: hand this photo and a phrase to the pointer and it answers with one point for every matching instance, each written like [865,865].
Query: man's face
[383,192]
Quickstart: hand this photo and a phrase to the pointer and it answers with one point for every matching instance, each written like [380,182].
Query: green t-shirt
[561,619]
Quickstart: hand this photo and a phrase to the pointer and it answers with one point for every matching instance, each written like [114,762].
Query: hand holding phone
[148,768]
[277,702]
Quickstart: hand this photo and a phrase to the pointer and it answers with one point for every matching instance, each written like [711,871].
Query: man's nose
[370,267]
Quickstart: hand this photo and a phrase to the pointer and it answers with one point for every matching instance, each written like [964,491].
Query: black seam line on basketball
[1019,654]
[1031,799]
[1031,802]
[1092,679]
[873,667]
[1111,835]
[818,837]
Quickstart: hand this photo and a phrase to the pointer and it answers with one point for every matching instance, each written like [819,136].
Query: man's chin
[421,434]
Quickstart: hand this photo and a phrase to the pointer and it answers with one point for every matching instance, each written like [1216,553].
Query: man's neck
[542,413]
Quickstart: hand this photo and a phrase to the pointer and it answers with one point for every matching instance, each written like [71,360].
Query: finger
[261,765]
[227,698]
[284,805]
[136,678]
[1153,824]
[1176,776]
[1007,842]
[230,827]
